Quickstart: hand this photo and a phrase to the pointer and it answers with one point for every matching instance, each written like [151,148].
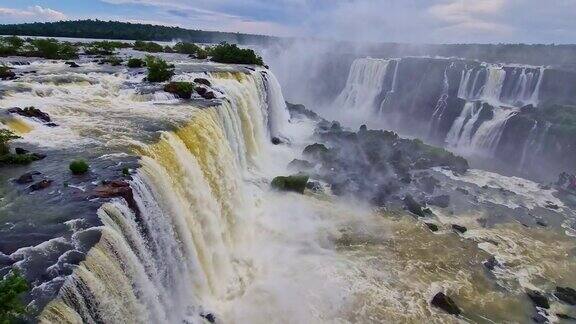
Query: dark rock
[7,73]
[440,201]
[276,141]
[363,128]
[117,188]
[21,151]
[432,227]
[38,156]
[551,205]
[445,303]
[72,64]
[300,165]
[182,90]
[41,185]
[295,183]
[566,294]
[204,93]
[31,112]
[202,81]
[209,317]
[538,299]
[51,125]
[27,177]
[462,191]
[541,223]
[491,263]
[300,110]
[539,318]
[413,206]
[314,186]
[458,228]
[315,151]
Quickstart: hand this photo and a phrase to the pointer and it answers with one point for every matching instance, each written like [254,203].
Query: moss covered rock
[181,89]
[294,183]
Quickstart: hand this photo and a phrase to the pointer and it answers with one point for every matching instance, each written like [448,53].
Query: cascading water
[365,83]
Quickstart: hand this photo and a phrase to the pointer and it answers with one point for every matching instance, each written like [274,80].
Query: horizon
[391,21]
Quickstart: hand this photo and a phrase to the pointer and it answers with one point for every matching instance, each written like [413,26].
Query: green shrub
[295,183]
[79,167]
[18,159]
[158,69]
[231,53]
[112,60]
[181,89]
[52,49]
[11,289]
[6,136]
[202,54]
[187,48]
[135,63]
[150,47]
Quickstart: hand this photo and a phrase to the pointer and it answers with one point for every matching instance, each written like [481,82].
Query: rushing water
[209,237]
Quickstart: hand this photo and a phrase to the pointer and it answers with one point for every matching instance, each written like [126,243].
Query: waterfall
[492,89]
[460,134]
[365,83]
[487,137]
[175,257]
[278,115]
[530,141]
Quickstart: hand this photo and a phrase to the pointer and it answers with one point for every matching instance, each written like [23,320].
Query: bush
[295,183]
[135,63]
[112,60]
[18,159]
[6,136]
[11,289]
[231,53]
[79,167]
[187,48]
[150,47]
[52,49]
[181,89]
[158,69]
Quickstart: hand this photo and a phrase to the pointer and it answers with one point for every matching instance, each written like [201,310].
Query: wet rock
[276,141]
[205,93]
[21,151]
[314,186]
[442,201]
[202,81]
[541,223]
[72,64]
[7,73]
[413,206]
[31,112]
[117,189]
[445,303]
[459,228]
[38,156]
[551,205]
[428,183]
[538,299]
[432,227]
[294,183]
[51,125]
[315,151]
[363,128]
[463,191]
[209,317]
[41,185]
[27,177]
[539,318]
[491,263]
[566,294]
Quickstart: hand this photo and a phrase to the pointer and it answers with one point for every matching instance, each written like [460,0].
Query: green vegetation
[149,47]
[119,30]
[158,69]
[46,48]
[232,54]
[135,63]
[79,167]
[191,49]
[11,289]
[295,183]
[104,47]
[112,60]
[181,89]
[6,136]
[10,158]
[125,171]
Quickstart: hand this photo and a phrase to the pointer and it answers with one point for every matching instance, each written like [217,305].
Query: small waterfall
[487,137]
[175,257]
[492,89]
[469,88]
[534,145]
[460,134]
[365,83]
[530,141]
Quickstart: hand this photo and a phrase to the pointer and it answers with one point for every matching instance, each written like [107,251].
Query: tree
[11,289]
[158,69]
[231,53]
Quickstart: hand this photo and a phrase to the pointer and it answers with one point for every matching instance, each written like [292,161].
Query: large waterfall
[423,89]
[175,256]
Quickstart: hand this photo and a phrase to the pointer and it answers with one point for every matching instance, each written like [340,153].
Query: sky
[406,21]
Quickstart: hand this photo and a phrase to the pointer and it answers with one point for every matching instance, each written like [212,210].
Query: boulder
[294,183]
[7,73]
[31,112]
[459,228]
[432,227]
[182,90]
[314,186]
[538,299]
[300,165]
[41,185]
[117,189]
[491,263]
[27,177]
[72,64]
[539,318]
[315,151]
[21,151]
[442,201]
[445,303]
[202,81]
[566,294]
[463,191]
[205,93]
[276,141]
[208,317]
[413,206]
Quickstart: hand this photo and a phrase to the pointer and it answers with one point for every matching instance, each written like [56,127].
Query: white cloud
[30,14]
[463,16]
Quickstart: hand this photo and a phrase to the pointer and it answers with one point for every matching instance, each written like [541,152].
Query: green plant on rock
[158,69]
[12,308]
[79,167]
[231,53]
[181,89]
[135,63]
[6,136]
[149,47]
[295,183]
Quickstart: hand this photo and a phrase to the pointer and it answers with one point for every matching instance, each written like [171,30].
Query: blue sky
[419,21]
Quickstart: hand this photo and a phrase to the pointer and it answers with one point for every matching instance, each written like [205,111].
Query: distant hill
[128,31]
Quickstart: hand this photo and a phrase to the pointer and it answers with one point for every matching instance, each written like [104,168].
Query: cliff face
[519,115]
